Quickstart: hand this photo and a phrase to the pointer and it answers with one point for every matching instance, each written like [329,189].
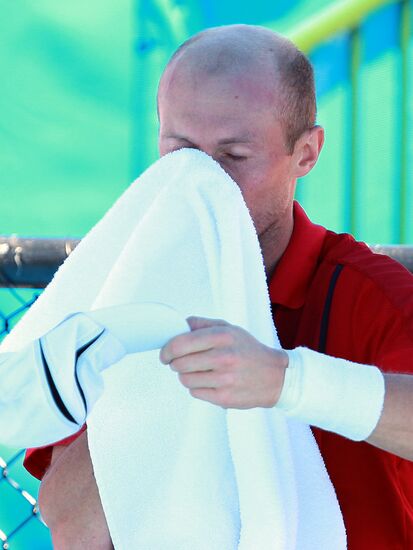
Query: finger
[211,395]
[201,361]
[193,342]
[193,380]
[196,323]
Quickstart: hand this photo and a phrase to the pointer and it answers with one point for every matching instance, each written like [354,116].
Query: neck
[273,241]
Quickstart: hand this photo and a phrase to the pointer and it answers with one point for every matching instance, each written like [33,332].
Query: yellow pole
[340,16]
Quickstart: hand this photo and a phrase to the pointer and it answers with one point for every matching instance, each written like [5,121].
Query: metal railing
[32,262]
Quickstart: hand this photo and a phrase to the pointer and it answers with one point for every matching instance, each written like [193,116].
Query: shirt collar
[293,273]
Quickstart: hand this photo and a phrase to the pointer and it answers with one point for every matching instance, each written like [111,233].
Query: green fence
[363,183]
[78,115]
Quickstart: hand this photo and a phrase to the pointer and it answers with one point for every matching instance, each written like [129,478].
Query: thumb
[195,322]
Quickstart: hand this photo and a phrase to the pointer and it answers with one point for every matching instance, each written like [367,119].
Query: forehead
[234,103]
[255,83]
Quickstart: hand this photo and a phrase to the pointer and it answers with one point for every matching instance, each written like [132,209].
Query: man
[245,96]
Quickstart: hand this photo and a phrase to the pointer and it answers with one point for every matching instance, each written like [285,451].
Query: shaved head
[281,74]
[245,96]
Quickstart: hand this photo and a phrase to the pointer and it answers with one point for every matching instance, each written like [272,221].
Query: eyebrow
[226,141]
[243,139]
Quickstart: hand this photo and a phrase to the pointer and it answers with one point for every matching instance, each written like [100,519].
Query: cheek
[266,193]
[255,189]
[163,148]
[245,173]
[255,182]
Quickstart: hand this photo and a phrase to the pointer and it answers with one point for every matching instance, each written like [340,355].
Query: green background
[78,118]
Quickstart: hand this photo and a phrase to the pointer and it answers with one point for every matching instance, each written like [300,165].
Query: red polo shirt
[370,321]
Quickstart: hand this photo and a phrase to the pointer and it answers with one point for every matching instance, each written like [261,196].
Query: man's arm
[354,400]
[394,431]
[223,364]
[69,500]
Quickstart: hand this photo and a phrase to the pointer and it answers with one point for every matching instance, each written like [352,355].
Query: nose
[210,151]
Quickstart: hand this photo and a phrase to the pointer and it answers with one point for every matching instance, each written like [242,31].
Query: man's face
[232,120]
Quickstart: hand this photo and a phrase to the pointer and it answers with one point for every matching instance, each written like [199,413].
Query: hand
[225,365]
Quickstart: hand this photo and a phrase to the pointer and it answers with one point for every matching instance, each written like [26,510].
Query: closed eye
[235,158]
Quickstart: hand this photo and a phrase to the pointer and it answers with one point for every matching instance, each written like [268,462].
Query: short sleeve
[385,319]
[372,315]
[37,460]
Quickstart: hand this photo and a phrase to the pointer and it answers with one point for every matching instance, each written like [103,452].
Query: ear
[307,150]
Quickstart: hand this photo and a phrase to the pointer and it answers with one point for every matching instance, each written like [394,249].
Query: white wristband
[333,394]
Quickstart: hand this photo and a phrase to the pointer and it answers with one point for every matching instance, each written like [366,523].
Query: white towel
[175,472]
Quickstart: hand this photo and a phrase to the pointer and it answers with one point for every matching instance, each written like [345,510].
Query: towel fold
[175,472]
